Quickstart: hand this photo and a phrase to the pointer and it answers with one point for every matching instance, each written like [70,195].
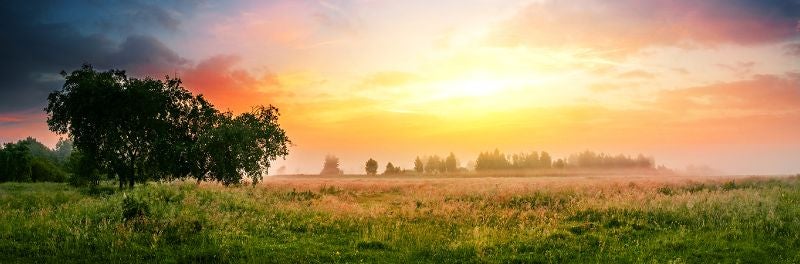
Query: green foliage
[43,170]
[133,207]
[244,145]
[371,167]
[84,170]
[146,129]
[28,160]
[15,160]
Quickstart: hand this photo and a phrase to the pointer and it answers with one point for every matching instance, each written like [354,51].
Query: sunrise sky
[713,82]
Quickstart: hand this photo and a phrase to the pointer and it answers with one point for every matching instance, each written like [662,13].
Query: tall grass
[496,220]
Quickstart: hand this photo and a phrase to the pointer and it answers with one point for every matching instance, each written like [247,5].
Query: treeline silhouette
[498,161]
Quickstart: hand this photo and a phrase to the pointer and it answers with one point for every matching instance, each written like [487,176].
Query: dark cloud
[135,16]
[144,55]
[42,39]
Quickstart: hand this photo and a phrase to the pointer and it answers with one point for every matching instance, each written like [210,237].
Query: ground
[596,219]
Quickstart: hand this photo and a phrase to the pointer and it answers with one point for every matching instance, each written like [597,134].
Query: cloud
[793,49]
[741,68]
[763,94]
[627,26]
[42,46]
[636,74]
[228,87]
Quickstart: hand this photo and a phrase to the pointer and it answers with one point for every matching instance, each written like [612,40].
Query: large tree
[140,129]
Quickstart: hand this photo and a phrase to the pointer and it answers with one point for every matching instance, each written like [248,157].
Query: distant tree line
[28,160]
[591,160]
[496,160]
[136,130]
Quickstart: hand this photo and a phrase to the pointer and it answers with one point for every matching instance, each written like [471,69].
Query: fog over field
[372,131]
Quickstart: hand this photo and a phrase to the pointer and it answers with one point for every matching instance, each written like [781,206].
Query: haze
[712,83]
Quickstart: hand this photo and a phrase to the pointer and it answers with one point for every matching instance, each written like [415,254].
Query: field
[594,219]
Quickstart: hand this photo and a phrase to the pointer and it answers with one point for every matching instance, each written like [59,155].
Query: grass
[354,220]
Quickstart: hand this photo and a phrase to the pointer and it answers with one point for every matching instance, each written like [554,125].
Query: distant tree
[63,150]
[492,161]
[391,169]
[15,163]
[281,170]
[29,160]
[592,160]
[559,164]
[331,166]
[434,164]
[371,167]
[545,161]
[418,166]
[451,163]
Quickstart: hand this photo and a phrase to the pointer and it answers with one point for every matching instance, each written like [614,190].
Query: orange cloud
[228,87]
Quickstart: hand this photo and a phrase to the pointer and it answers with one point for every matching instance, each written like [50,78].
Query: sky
[714,82]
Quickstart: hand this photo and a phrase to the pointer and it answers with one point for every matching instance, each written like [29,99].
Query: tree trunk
[121,181]
[131,178]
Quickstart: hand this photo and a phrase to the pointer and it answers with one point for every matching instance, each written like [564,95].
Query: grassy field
[602,219]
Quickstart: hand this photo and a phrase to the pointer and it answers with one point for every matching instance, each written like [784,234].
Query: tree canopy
[140,129]
[371,167]
[331,166]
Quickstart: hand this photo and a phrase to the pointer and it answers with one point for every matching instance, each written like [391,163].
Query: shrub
[133,207]
[45,171]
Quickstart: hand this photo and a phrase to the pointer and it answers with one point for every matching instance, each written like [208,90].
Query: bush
[45,171]
[133,207]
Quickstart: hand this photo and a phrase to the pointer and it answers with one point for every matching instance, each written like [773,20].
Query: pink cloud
[625,26]
[762,93]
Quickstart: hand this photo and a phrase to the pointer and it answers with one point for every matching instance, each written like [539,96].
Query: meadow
[360,219]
